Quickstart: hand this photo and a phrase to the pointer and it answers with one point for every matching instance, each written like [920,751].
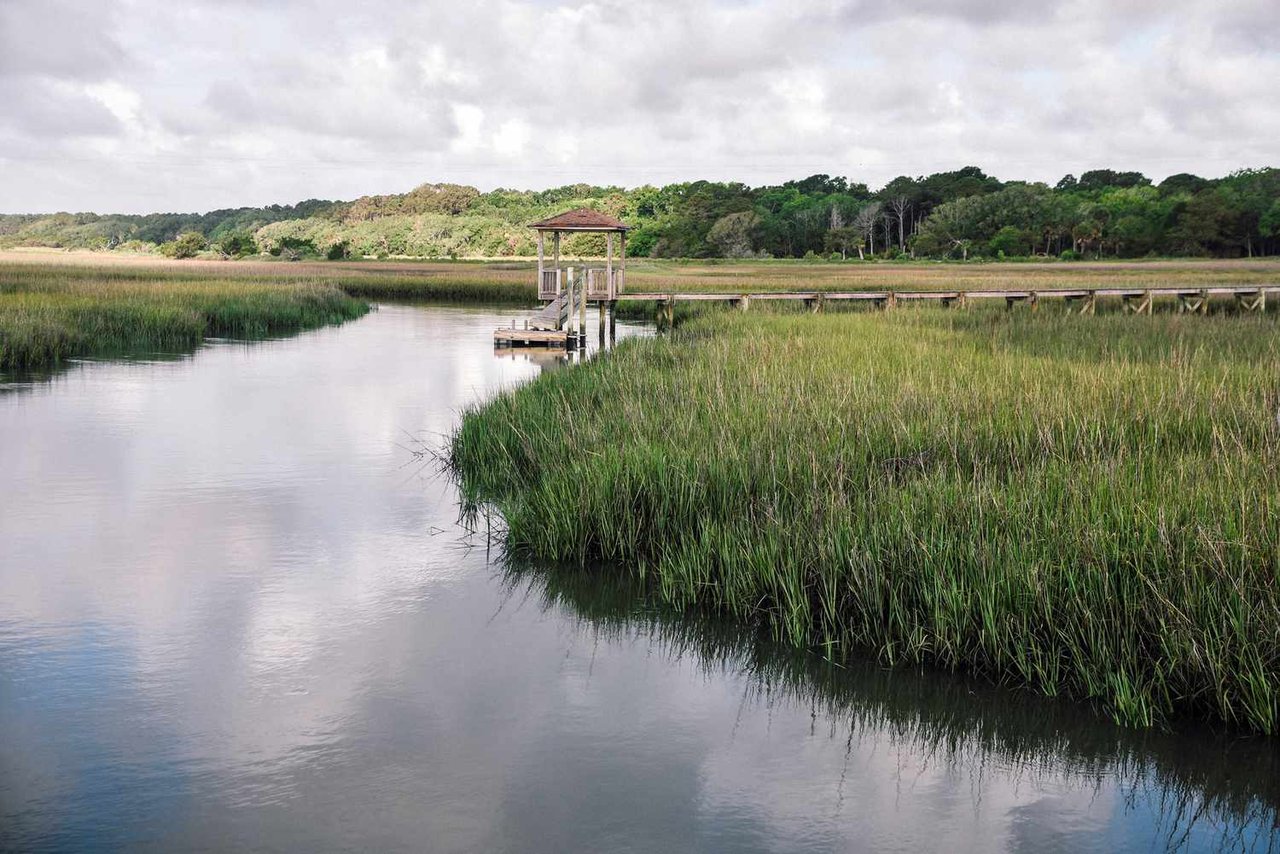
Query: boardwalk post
[892,301]
[541,240]
[1034,301]
[1255,301]
[613,320]
[555,256]
[568,314]
[582,309]
[608,268]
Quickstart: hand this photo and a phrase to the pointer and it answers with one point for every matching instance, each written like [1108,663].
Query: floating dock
[533,338]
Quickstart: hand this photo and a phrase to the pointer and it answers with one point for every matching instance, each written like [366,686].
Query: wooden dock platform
[531,337]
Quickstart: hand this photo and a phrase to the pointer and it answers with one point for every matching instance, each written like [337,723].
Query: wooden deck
[531,337]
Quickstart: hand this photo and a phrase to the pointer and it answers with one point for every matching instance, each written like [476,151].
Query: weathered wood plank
[530,337]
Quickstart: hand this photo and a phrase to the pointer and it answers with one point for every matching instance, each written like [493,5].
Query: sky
[134,106]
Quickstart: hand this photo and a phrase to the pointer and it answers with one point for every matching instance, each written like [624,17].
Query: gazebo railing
[600,287]
[549,285]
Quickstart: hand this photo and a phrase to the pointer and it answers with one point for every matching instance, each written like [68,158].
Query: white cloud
[317,98]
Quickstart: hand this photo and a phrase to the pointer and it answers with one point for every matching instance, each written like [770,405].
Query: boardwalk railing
[1250,298]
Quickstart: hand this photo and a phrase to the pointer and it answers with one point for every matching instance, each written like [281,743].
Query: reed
[48,315]
[1084,505]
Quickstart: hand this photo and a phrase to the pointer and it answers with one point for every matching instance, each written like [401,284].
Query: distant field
[512,281]
[58,305]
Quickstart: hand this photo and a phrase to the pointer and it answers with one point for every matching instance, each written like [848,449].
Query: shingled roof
[582,219]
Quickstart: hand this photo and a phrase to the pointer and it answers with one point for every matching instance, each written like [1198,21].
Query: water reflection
[1190,790]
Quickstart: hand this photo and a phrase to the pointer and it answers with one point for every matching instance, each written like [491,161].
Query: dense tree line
[232,227]
[961,214]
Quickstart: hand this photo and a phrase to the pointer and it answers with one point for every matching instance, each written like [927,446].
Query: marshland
[1082,505]
[862,553]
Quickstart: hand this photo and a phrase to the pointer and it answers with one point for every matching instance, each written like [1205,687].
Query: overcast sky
[135,106]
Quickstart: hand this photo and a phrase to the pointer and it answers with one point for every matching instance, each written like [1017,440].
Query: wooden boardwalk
[1250,298]
[550,327]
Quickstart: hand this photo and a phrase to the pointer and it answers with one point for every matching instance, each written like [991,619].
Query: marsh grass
[1086,505]
[49,315]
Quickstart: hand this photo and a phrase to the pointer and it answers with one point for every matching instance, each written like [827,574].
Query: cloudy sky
[135,106]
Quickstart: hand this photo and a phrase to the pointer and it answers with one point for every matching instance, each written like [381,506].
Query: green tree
[734,235]
[1011,242]
[188,244]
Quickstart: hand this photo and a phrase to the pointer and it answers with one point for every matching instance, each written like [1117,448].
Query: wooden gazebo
[602,284]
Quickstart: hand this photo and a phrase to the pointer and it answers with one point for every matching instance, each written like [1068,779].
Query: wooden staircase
[554,314]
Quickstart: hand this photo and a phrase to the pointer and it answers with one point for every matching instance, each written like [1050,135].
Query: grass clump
[48,316]
[1086,505]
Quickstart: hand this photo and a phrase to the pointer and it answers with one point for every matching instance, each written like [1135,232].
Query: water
[236,612]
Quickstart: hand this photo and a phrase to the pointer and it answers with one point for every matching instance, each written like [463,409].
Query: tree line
[961,214]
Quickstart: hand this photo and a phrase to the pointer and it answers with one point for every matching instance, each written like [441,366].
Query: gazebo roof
[581,219]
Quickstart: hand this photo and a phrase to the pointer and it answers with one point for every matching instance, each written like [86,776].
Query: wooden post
[744,302]
[601,304]
[1204,301]
[582,308]
[555,256]
[892,301]
[541,240]
[568,315]
[608,266]
[622,261]
[613,320]
[1034,301]
[1255,301]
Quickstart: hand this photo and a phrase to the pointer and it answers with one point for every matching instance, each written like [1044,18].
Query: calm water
[236,612]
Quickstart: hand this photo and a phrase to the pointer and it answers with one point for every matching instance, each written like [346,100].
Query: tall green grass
[1090,506]
[47,316]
